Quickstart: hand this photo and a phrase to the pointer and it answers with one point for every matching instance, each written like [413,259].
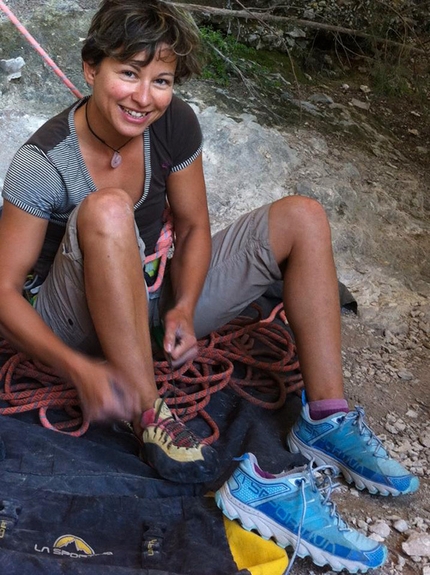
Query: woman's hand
[104,394]
[180,341]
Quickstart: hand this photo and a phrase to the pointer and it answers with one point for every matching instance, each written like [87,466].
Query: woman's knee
[298,213]
[296,220]
[107,210]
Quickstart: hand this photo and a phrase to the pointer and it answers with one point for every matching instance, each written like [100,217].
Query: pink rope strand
[39,49]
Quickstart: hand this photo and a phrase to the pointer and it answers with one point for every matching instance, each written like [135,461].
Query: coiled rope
[254,358]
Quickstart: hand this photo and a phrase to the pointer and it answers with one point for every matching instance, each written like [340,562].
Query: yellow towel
[252,552]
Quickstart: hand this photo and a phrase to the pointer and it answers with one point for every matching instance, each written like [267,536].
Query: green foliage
[390,80]
[266,74]
[223,53]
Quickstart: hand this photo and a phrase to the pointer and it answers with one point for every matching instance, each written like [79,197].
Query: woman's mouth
[133,113]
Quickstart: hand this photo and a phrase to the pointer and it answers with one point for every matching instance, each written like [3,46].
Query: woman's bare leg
[301,242]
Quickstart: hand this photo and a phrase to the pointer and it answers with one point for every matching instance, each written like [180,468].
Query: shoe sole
[253,520]
[199,471]
[297,446]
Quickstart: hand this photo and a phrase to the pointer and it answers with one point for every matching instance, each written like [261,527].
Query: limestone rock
[418,545]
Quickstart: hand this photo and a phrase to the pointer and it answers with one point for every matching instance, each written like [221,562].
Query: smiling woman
[132,56]
[128,96]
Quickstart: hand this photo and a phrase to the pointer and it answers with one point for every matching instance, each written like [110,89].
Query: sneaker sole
[253,520]
[297,446]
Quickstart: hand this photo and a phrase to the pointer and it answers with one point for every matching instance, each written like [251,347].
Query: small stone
[381,528]
[359,104]
[321,99]
[405,375]
[400,426]
[418,545]
[12,67]
[401,526]
[391,428]
[425,438]
[376,537]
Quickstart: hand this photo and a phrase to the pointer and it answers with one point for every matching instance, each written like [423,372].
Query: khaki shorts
[242,268]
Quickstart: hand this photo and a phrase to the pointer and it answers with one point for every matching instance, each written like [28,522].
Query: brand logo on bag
[70,546]
[3,527]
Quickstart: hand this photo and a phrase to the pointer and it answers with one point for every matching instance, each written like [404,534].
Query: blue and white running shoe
[294,508]
[345,442]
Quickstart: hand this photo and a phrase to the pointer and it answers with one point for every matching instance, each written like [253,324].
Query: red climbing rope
[260,350]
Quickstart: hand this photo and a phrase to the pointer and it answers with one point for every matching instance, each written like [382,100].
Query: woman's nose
[142,94]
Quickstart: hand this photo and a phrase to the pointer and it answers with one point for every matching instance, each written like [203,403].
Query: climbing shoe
[175,451]
[346,442]
[295,509]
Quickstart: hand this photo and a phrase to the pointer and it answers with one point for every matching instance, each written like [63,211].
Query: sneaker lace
[357,417]
[320,480]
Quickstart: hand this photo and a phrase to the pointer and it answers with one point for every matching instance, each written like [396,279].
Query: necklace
[116,158]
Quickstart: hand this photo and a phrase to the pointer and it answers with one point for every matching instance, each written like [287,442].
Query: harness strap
[162,249]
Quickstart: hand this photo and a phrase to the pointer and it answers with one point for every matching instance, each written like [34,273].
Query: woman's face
[128,97]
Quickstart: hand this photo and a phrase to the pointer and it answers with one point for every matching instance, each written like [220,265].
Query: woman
[106,167]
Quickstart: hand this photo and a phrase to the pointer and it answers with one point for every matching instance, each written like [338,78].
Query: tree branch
[304,23]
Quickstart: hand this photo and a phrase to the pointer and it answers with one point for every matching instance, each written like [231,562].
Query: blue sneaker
[294,508]
[345,442]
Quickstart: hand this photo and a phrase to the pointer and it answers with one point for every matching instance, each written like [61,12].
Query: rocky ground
[355,153]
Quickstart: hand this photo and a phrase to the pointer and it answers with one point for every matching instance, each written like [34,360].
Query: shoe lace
[320,480]
[357,417]
[174,432]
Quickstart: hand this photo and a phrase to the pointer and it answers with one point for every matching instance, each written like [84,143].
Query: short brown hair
[122,28]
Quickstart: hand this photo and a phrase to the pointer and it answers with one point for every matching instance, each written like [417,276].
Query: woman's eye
[129,73]
[163,82]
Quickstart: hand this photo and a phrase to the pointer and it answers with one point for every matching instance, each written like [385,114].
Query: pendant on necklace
[116,160]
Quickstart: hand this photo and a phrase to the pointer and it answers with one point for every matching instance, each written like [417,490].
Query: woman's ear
[89,71]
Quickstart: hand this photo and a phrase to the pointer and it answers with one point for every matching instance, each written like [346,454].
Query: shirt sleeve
[186,135]
[32,182]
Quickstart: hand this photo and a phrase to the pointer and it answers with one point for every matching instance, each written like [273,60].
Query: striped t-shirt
[48,176]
